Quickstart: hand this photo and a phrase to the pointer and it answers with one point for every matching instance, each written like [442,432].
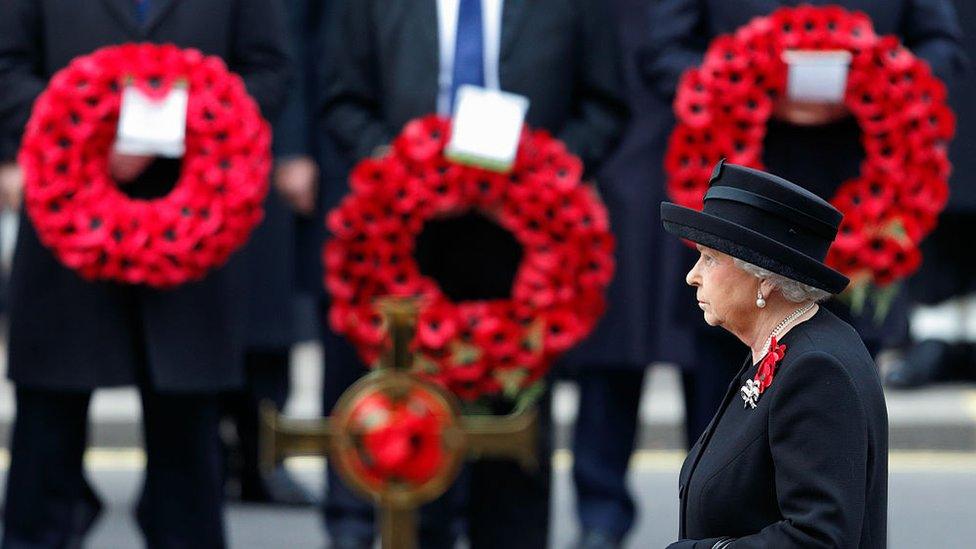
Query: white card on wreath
[817,75]
[151,126]
[486,128]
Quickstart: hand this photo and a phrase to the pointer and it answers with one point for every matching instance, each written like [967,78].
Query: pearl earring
[760,300]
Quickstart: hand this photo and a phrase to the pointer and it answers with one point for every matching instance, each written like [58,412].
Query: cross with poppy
[396,438]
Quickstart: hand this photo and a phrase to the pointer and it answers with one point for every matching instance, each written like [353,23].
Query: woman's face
[726,294]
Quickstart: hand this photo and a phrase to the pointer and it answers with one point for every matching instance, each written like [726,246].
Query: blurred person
[797,456]
[946,283]
[69,336]
[816,145]
[390,64]
[272,320]
[638,327]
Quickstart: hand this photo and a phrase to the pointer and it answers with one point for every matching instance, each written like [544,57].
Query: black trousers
[266,377]
[49,504]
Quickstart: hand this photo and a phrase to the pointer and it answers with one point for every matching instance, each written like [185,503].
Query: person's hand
[11,185]
[805,113]
[297,181]
[125,168]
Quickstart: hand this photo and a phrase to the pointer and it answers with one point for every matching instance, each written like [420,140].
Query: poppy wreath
[723,106]
[474,348]
[97,230]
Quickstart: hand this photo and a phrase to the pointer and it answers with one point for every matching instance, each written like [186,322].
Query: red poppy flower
[437,325]
[767,367]
[401,441]
[691,106]
[423,139]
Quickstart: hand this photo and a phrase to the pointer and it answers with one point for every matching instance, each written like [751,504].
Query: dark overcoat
[636,328]
[808,467]
[66,332]
[948,269]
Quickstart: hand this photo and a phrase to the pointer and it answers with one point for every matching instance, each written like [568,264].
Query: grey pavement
[931,504]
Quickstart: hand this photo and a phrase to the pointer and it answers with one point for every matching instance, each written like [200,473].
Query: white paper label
[817,76]
[486,128]
[149,126]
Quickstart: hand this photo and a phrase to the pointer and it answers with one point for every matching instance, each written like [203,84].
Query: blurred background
[661,394]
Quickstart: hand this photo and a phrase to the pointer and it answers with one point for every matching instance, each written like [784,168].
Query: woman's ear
[766,287]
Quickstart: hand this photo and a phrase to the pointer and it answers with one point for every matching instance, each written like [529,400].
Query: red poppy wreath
[474,348]
[96,229]
[723,107]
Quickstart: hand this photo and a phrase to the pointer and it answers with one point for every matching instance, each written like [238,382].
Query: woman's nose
[692,277]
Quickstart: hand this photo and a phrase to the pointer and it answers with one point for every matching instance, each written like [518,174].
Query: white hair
[794,291]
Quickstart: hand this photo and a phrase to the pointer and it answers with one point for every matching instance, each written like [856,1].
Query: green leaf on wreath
[534,334]
[511,381]
[883,299]
[856,297]
[423,364]
[463,354]
[896,229]
[530,396]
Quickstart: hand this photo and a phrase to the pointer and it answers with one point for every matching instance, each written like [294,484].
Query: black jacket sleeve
[676,40]
[601,111]
[931,31]
[293,132]
[21,79]
[819,445]
[350,103]
[260,53]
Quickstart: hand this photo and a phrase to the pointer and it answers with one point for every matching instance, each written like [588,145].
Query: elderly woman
[797,454]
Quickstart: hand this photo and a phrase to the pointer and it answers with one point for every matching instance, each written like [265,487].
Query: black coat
[808,467]
[637,328]
[68,333]
[962,153]
[274,265]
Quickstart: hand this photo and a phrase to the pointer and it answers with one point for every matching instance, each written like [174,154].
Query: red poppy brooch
[756,386]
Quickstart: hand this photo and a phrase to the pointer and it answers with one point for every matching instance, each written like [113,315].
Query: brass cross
[470,437]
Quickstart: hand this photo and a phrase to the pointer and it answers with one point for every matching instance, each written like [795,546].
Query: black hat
[765,220]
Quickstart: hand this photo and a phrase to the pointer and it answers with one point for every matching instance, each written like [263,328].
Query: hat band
[782,230]
[817,226]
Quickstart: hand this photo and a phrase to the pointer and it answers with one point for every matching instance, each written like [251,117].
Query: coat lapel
[429,36]
[158,9]
[512,16]
[125,12]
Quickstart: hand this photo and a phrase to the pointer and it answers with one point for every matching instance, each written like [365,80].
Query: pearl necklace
[786,322]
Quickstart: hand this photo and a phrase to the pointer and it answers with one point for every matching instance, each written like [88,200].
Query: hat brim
[748,245]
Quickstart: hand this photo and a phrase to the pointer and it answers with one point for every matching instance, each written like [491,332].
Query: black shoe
[350,542]
[280,488]
[594,539]
[924,363]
